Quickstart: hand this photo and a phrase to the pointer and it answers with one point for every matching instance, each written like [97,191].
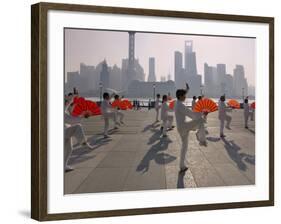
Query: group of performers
[196,123]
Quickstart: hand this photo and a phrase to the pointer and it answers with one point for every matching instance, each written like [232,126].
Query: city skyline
[81,46]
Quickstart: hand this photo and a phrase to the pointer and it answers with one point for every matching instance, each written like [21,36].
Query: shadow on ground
[156,153]
[239,158]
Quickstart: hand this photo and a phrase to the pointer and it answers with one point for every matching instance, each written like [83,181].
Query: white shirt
[193,104]
[222,110]
[246,108]
[106,107]
[164,110]
[157,104]
[181,111]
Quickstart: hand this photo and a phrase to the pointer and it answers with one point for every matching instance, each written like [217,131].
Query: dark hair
[194,97]
[246,100]
[180,92]
[199,97]
[69,94]
[116,97]
[158,95]
[222,98]
[105,95]
[164,97]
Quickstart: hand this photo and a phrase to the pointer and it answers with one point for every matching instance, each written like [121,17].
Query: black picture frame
[39,121]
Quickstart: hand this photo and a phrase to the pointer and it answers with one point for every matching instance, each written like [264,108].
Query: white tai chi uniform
[193,104]
[166,117]
[183,127]
[108,113]
[223,116]
[157,107]
[247,113]
[119,114]
[72,128]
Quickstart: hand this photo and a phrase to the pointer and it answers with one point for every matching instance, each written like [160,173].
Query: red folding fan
[125,104]
[172,104]
[85,107]
[253,105]
[233,104]
[116,103]
[205,105]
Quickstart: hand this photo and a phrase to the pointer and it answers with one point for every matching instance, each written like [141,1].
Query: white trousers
[109,115]
[70,132]
[246,118]
[120,115]
[228,119]
[184,133]
[167,123]
[157,114]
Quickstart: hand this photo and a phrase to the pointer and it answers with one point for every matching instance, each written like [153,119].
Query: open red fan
[253,105]
[172,104]
[123,104]
[233,104]
[205,105]
[85,107]
[78,99]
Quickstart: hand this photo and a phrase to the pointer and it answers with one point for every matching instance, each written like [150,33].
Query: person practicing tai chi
[247,112]
[108,113]
[157,107]
[193,102]
[119,114]
[184,127]
[166,118]
[72,129]
[223,116]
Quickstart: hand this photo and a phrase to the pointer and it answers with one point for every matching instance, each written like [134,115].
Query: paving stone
[104,180]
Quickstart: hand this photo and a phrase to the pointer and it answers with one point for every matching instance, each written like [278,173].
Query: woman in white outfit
[193,102]
[108,113]
[184,127]
[223,116]
[166,118]
[157,107]
[72,129]
[119,114]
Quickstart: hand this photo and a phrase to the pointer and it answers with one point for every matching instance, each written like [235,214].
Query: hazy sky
[93,46]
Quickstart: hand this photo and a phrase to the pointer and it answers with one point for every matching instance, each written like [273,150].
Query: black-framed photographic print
[141,111]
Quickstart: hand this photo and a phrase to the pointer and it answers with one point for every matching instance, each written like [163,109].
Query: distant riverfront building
[146,89]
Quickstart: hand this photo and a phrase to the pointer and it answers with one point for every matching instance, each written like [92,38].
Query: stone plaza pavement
[136,158]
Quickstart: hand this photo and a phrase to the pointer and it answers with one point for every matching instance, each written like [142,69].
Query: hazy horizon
[81,47]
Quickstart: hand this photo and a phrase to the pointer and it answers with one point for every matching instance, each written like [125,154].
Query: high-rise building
[169,77]
[221,73]
[115,81]
[104,75]
[163,79]
[190,58]
[151,72]
[240,82]
[178,69]
[228,85]
[73,80]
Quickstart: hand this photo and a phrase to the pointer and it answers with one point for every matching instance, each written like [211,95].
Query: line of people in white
[196,122]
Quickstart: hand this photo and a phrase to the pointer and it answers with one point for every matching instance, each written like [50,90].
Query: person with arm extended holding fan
[184,127]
